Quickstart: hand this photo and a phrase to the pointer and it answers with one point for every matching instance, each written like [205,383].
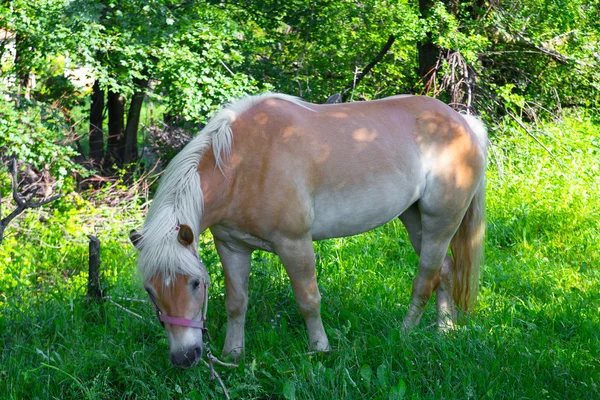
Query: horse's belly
[355,210]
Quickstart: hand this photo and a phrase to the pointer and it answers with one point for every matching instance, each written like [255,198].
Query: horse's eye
[195,284]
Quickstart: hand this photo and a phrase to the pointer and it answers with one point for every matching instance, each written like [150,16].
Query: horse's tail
[467,243]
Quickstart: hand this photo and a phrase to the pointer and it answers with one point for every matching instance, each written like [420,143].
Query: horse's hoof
[320,347]
[233,355]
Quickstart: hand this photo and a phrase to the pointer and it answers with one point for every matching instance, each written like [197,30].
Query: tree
[183,47]
[506,59]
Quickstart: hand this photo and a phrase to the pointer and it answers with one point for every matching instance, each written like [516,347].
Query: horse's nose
[188,358]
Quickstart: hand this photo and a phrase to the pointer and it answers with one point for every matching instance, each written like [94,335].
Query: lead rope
[212,359]
[206,335]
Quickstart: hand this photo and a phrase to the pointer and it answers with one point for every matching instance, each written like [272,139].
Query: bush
[35,134]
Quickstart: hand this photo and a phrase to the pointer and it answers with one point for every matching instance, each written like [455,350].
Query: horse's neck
[214,183]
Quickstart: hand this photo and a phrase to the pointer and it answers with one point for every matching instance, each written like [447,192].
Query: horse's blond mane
[179,199]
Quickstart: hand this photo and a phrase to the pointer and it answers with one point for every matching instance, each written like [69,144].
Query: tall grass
[534,334]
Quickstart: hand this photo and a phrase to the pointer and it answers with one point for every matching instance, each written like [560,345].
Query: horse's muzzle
[187,358]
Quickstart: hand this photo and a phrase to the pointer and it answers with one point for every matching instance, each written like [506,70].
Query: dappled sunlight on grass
[48,254]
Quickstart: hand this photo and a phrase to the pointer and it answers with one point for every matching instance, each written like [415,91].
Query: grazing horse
[274,173]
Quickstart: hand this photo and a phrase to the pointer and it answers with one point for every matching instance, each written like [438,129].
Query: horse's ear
[135,238]
[185,236]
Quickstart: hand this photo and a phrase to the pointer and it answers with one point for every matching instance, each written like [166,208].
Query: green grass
[535,332]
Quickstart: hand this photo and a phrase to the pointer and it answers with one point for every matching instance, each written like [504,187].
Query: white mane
[179,199]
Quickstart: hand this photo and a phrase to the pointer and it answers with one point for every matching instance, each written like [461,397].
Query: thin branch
[226,67]
[354,83]
[517,38]
[22,203]
[518,121]
[369,67]
[498,162]
[501,52]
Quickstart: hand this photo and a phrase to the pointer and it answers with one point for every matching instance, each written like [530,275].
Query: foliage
[530,58]
[184,47]
[315,49]
[33,132]
[534,333]
[195,66]
[51,255]
[547,50]
[187,49]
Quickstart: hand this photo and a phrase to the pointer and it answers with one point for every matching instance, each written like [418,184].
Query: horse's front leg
[298,258]
[236,266]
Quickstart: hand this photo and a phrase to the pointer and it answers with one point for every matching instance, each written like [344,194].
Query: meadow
[535,332]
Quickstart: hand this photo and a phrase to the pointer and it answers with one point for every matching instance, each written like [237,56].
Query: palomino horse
[283,173]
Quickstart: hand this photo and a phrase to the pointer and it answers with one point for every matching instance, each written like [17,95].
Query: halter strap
[184,321]
[181,321]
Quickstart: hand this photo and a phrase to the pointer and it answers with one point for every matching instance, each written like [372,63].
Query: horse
[275,173]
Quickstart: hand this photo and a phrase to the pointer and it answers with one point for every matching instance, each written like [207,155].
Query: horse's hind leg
[446,311]
[298,258]
[433,274]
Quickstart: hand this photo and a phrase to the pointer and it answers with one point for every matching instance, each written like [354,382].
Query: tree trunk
[115,149]
[96,129]
[428,56]
[428,52]
[23,68]
[133,121]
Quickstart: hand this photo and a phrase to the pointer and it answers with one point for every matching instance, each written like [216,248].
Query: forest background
[96,96]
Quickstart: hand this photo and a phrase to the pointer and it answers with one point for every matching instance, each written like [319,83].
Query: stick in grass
[94,288]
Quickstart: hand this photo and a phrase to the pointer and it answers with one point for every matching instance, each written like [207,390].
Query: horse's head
[180,299]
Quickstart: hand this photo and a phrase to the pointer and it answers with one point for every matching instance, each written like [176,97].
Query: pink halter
[184,321]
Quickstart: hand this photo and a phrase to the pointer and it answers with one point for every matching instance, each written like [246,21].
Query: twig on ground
[215,374]
[518,121]
[215,360]
[125,299]
[125,309]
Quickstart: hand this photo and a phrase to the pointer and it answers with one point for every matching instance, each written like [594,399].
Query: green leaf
[382,375]
[399,391]
[366,373]
[289,390]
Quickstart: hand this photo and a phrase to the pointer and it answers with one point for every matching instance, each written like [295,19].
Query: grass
[535,332]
